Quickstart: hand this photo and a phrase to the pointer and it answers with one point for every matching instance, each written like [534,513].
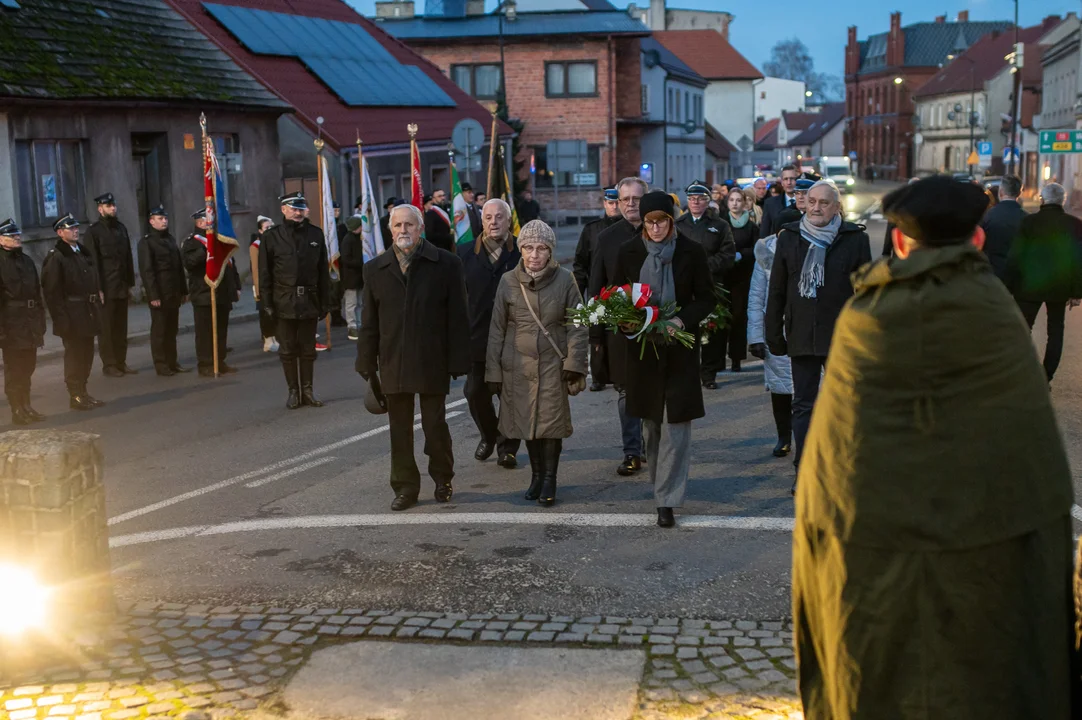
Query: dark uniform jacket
[1001,224]
[293,271]
[21,309]
[665,386]
[162,269]
[1045,260]
[587,247]
[797,325]
[603,274]
[438,231]
[351,261]
[110,247]
[474,214]
[415,328]
[772,209]
[195,262]
[528,210]
[69,282]
[385,230]
[716,237]
[482,282]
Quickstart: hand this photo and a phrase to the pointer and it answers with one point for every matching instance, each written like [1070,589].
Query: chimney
[895,21]
[941,18]
[394,10]
[963,16]
[475,7]
[1051,21]
[657,15]
[893,56]
[852,54]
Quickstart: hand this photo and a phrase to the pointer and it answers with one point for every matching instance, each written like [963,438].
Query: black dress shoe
[112,372]
[597,387]
[443,493]
[180,369]
[19,416]
[206,372]
[401,502]
[736,366]
[94,402]
[665,518]
[484,450]
[165,371]
[792,490]
[710,385]
[508,461]
[224,369]
[80,402]
[124,368]
[782,448]
[33,414]
[631,465]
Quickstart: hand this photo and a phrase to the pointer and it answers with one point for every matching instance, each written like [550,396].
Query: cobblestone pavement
[168,660]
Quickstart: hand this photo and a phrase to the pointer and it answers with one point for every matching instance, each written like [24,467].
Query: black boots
[307,372]
[782,405]
[21,412]
[290,368]
[533,447]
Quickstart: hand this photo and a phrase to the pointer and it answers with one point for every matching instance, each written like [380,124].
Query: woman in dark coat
[663,385]
[738,279]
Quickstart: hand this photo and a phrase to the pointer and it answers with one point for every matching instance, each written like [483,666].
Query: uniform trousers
[668,445]
[807,372]
[204,339]
[479,399]
[78,359]
[164,323]
[19,366]
[113,341]
[297,339]
[599,363]
[405,477]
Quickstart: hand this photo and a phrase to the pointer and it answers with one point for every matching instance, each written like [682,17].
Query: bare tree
[790,60]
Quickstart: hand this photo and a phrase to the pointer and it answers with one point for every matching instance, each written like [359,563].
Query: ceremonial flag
[462,228]
[417,197]
[502,188]
[371,235]
[221,238]
[330,224]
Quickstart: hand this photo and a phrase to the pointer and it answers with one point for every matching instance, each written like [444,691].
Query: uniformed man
[716,237]
[22,322]
[69,282]
[295,286]
[584,253]
[109,245]
[162,271]
[194,254]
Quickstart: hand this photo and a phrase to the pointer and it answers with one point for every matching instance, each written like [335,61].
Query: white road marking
[138,512]
[292,471]
[1076,512]
[718,522]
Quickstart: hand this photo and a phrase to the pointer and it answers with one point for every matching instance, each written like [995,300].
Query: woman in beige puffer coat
[535,363]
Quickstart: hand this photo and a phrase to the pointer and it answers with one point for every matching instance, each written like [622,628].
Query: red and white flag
[417,198]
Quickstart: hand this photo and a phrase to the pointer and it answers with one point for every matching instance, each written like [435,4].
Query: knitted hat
[354,223]
[656,201]
[537,231]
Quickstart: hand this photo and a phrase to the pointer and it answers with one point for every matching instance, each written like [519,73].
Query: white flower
[576,322]
[591,303]
[579,306]
[706,340]
[593,318]
[600,312]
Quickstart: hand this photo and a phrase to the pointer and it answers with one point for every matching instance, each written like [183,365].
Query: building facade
[658,16]
[773,96]
[1061,109]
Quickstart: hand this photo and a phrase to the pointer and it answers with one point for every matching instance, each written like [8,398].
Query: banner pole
[318,142]
[209,204]
[491,158]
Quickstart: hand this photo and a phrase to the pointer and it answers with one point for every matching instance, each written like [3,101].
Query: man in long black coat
[22,322]
[584,253]
[603,274]
[484,262]
[110,248]
[1001,224]
[194,253]
[69,282]
[806,294]
[350,269]
[415,336]
[162,271]
[295,284]
[773,206]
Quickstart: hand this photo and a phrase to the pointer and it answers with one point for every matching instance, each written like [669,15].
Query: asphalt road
[218,494]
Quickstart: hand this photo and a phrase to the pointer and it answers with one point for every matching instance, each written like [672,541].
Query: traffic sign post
[984,154]
[467,137]
[1060,141]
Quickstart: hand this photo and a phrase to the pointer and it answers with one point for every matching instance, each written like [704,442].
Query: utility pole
[1017,61]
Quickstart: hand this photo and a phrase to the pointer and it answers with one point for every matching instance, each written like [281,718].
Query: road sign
[1060,141]
[586,179]
[984,153]
[468,137]
[1007,155]
[974,158]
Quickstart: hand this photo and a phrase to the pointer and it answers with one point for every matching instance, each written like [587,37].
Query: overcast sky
[758,25]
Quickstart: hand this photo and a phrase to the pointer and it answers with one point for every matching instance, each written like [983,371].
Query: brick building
[571,75]
[881,75]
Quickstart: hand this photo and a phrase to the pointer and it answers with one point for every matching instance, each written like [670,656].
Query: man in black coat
[385,221]
[162,271]
[1001,224]
[350,269]
[69,282]
[584,253]
[22,322]
[110,249]
[484,262]
[438,222]
[415,336]
[809,285]
[603,273]
[295,284]
[716,237]
[773,206]
[1045,268]
[472,210]
[528,208]
[194,253]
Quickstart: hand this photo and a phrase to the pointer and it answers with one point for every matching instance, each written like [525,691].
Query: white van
[838,169]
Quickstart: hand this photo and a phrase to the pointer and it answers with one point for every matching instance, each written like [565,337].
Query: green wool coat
[932,545]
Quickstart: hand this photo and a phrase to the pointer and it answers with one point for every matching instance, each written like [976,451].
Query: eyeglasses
[657,223]
[633,200]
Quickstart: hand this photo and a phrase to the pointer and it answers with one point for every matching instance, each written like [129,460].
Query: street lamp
[23,603]
[897,81]
[509,9]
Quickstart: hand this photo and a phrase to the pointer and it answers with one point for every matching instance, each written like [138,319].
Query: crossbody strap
[548,336]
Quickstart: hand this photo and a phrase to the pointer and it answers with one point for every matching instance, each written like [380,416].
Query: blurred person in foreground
[931,560]
[1044,267]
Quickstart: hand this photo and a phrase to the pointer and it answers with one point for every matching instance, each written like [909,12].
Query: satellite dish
[651,58]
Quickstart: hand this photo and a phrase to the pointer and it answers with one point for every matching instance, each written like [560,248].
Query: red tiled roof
[798,120]
[709,54]
[289,79]
[984,60]
[767,130]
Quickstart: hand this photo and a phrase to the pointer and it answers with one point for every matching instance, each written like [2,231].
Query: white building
[657,16]
[1061,109]
[773,96]
[673,140]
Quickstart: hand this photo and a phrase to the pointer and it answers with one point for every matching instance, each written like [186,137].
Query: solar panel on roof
[344,56]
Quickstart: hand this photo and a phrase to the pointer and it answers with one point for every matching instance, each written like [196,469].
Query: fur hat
[537,231]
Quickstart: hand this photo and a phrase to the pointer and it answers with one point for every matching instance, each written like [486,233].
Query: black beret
[391,202]
[68,221]
[335,205]
[937,211]
[106,199]
[426,198]
[10,227]
[656,201]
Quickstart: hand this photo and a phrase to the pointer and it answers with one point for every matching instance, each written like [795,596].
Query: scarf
[739,222]
[812,273]
[657,270]
[493,247]
[405,256]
